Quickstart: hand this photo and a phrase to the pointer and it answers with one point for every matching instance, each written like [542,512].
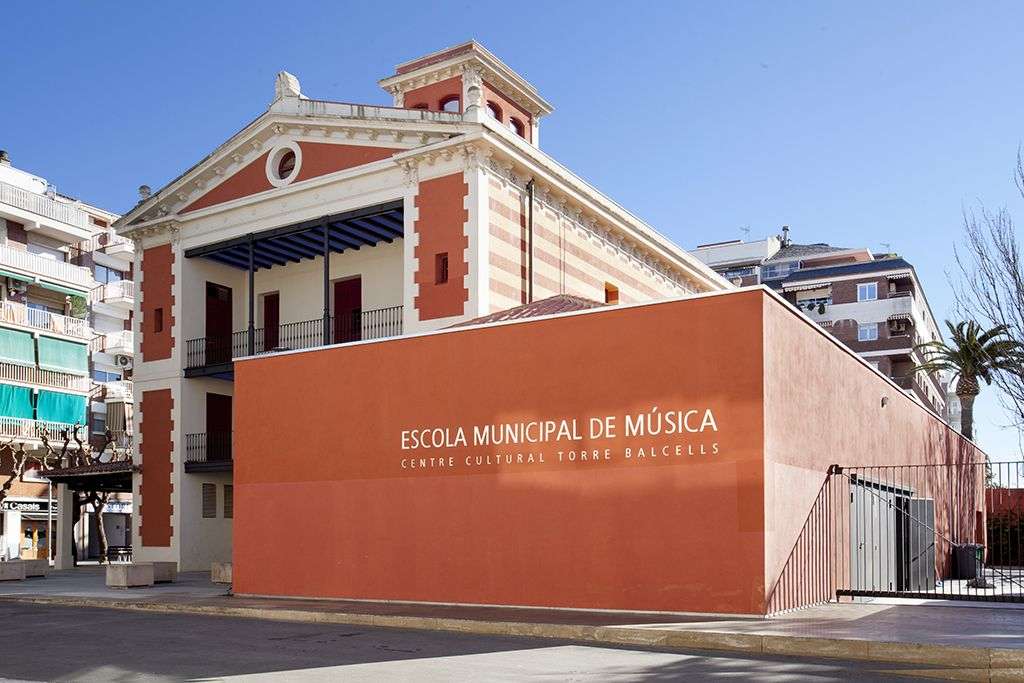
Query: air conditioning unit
[123,360]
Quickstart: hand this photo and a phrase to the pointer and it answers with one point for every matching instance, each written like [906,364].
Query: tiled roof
[560,303]
[792,251]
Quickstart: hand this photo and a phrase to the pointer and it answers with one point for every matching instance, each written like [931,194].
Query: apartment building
[873,303]
[66,300]
[321,223]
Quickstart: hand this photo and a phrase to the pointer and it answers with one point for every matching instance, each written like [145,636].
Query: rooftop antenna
[746,232]
[888,247]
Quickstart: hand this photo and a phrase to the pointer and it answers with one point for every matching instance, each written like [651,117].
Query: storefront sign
[27,506]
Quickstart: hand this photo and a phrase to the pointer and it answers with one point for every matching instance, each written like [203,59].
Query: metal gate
[949,532]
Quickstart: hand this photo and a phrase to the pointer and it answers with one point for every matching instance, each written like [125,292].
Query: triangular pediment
[330,142]
[316,159]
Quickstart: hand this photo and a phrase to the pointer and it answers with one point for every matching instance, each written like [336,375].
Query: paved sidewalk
[984,643]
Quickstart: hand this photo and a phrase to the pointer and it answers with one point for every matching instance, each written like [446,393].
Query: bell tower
[468,79]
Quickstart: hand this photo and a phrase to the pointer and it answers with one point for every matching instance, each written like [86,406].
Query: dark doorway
[348,306]
[218,427]
[271,320]
[218,323]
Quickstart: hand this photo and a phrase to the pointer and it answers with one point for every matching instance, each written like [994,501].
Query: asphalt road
[49,643]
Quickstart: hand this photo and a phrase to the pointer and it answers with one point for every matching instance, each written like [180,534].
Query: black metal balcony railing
[374,324]
[208,448]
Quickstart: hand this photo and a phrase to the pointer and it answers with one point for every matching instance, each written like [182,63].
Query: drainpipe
[529,235]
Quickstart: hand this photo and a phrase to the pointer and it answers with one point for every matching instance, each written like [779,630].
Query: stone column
[65,528]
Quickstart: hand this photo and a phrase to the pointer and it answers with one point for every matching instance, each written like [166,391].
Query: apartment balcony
[120,294]
[23,374]
[208,452]
[40,212]
[117,391]
[45,270]
[121,343]
[214,356]
[20,315]
[110,244]
[23,429]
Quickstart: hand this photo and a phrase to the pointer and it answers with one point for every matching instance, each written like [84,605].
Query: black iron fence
[208,447]
[944,531]
[372,324]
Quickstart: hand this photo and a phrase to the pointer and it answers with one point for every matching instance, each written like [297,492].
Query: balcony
[14,313]
[213,356]
[23,374]
[120,294]
[108,243]
[23,429]
[120,342]
[208,452]
[43,206]
[35,265]
[117,391]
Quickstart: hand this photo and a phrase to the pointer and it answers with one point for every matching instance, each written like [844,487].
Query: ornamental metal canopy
[293,243]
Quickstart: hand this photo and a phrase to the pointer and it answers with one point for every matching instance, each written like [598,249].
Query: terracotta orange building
[655,456]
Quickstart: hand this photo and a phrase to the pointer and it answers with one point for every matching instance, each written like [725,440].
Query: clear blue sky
[854,123]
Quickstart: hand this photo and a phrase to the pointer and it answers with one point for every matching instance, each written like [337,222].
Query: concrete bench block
[129,575]
[12,570]
[220,572]
[165,572]
[36,567]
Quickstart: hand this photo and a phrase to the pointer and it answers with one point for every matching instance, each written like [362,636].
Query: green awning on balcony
[53,406]
[62,289]
[17,347]
[15,401]
[63,356]
[16,276]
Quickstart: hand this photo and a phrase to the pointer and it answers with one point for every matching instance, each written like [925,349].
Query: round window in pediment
[286,165]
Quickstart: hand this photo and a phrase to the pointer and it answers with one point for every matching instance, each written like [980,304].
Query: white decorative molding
[589,225]
[274,158]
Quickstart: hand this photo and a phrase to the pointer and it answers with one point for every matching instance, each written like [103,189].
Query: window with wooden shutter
[209,501]
[229,501]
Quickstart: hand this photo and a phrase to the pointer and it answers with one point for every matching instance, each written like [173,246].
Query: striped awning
[802,287]
[899,276]
[899,316]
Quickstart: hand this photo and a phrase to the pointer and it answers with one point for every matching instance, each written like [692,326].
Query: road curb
[956,663]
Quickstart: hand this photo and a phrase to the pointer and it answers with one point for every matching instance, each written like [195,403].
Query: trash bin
[968,560]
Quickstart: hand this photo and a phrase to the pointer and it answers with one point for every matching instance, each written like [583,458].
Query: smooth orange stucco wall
[250,179]
[155,487]
[675,532]
[157,293]
[432,95]
[440,228]
[321,158]
[823,406]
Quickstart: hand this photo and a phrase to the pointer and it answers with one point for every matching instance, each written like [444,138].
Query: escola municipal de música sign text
[653,435]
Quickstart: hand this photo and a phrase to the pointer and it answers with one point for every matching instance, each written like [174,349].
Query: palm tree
[971,354]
